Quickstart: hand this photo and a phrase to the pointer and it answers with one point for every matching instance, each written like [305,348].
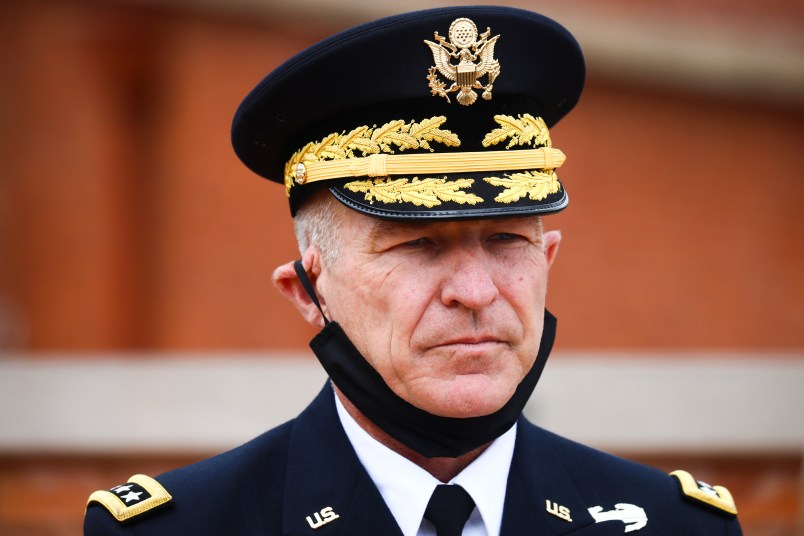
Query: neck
[444,469]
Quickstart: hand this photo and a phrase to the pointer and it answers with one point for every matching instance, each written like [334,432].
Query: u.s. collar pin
[321,518]
[559,511]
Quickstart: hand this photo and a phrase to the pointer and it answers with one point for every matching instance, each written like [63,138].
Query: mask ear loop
[308,287]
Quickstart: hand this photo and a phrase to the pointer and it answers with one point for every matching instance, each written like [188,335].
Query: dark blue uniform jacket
[274,483]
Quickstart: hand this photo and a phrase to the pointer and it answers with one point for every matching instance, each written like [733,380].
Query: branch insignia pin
[475,59]
[633,516]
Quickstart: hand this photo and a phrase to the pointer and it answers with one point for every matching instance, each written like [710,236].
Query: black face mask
[429,435]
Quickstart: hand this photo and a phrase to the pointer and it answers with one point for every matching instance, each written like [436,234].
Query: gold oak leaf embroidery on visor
[535,184]
[524,130]
[397,134]
[428,192]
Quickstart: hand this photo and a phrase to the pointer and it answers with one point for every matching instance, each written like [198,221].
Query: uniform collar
[406,487]
[322,473]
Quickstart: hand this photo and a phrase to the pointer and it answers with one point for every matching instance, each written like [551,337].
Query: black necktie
[449,509]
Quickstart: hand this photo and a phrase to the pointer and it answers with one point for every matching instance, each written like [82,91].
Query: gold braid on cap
[367,141]
[337,157]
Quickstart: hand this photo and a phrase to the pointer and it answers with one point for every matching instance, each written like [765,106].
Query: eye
[405,243]
[415,242]
[506,237]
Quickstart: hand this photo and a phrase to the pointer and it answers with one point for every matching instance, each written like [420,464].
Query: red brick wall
[128,222]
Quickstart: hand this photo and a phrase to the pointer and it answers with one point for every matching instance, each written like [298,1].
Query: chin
[472,396]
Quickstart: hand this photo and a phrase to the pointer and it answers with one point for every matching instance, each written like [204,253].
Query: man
[417,160]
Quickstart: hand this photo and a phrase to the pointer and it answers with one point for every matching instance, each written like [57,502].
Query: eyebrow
[382,229]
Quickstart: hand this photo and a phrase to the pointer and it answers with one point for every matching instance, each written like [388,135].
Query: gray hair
[316,224]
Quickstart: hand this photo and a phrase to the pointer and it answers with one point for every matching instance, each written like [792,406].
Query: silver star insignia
[131,496]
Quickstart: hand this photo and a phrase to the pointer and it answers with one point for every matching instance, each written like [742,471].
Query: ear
[551,241]
[287,282]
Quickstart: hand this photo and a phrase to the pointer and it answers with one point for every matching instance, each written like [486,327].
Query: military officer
[417,160]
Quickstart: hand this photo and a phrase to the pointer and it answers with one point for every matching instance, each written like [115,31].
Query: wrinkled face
[450,314]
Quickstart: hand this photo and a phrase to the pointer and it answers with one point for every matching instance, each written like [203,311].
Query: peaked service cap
[440,114]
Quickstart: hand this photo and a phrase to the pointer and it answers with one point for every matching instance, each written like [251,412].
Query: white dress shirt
[406,487]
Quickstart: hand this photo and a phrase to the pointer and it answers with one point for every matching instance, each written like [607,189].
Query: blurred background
[139,329]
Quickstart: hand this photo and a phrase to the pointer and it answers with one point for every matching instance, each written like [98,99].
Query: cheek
[525,288]
[521,275]
[408,299]
[380,309]
[411,300]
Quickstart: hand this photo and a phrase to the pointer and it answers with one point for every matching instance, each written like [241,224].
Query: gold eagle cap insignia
[463,60]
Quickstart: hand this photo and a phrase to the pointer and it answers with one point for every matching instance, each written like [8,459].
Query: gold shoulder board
[714,496]
[139,495]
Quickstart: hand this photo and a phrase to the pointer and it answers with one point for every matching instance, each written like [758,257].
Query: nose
[468,280]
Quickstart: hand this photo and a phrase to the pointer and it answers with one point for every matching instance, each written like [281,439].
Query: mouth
[471,343]
[470,356]
[470,339]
